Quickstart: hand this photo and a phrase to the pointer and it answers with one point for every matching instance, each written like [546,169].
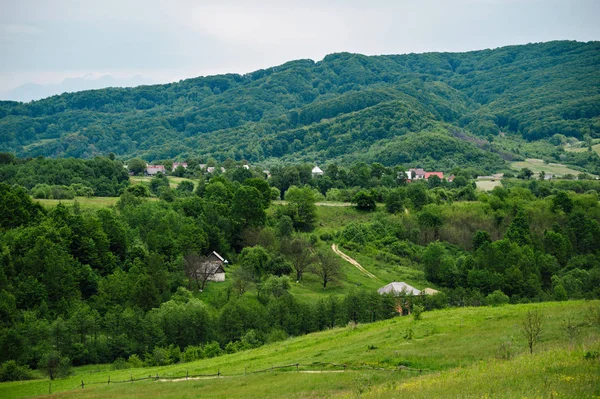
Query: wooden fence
[296,367]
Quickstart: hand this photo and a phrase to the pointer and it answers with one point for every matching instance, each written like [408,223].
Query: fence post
[109,379]
[420,371]
[345,367]
[81,384]
[218,373]
[297,365]
[244,370]
[157,377]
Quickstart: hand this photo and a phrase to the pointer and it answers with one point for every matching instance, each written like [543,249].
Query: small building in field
[429,291]
[316,171]
[152,170]
[213,267]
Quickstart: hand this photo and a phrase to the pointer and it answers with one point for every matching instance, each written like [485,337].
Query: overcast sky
[46,41]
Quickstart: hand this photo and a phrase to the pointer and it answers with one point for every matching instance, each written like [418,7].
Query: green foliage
[301,207]
[136,166]
[417,311]
[11,371]
[497,298]
[52,177]
[54,365]
[364,200]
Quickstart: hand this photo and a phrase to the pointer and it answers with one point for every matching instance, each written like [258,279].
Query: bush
[497,298]
[135,361]
[212,349]
[11,371]
[417,311]
[120,364]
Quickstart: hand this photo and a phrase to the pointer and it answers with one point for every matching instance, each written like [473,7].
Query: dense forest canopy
[347,107]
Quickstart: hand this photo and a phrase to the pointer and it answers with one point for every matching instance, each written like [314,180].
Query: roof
[398,288]
[218,256]
[418,171]
[316,169]
[438,174]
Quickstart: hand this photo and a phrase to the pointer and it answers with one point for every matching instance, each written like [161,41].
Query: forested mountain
[436,109]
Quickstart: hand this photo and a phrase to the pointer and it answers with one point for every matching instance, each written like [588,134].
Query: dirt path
[348,259]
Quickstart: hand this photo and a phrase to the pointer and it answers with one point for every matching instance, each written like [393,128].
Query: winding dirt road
[348,259]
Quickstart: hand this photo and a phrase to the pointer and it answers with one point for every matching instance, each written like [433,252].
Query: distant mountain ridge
[35,91]
[436,109]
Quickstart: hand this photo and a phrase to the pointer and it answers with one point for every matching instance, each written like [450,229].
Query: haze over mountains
[435,109]
[35,91]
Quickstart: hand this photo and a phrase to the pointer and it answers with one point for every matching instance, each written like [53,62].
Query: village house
[316,171]
[213,267]
[438,174]
[416,174]
[404,293]
[421,174]
[152,170]
[184,165]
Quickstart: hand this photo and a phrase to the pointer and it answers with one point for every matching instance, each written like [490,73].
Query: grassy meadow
[487,184]
[84,202]
[173,181]
[463,352]
[538,165]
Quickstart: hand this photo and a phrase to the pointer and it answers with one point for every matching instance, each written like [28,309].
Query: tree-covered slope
[345,107]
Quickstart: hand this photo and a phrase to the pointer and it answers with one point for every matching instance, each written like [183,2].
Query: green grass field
[487,184]
[84,202]
[457,349]
[173,181]
[581,147]
[538,165]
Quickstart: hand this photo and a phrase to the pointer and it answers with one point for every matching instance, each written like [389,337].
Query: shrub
[212,349]
[417,311]
[497,298]
[11,371]
[120,364]
[135,361]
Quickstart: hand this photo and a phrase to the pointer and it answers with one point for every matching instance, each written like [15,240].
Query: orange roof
[438,174]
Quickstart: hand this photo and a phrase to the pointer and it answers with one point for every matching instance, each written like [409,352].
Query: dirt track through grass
[348,259]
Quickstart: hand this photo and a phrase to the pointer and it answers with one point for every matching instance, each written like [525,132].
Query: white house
[316,171]
[151,170]
[182,164]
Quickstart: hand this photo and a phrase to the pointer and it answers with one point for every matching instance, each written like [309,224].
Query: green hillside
[564,363]
[437,109]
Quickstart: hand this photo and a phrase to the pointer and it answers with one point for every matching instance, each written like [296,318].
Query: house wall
[217,277]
